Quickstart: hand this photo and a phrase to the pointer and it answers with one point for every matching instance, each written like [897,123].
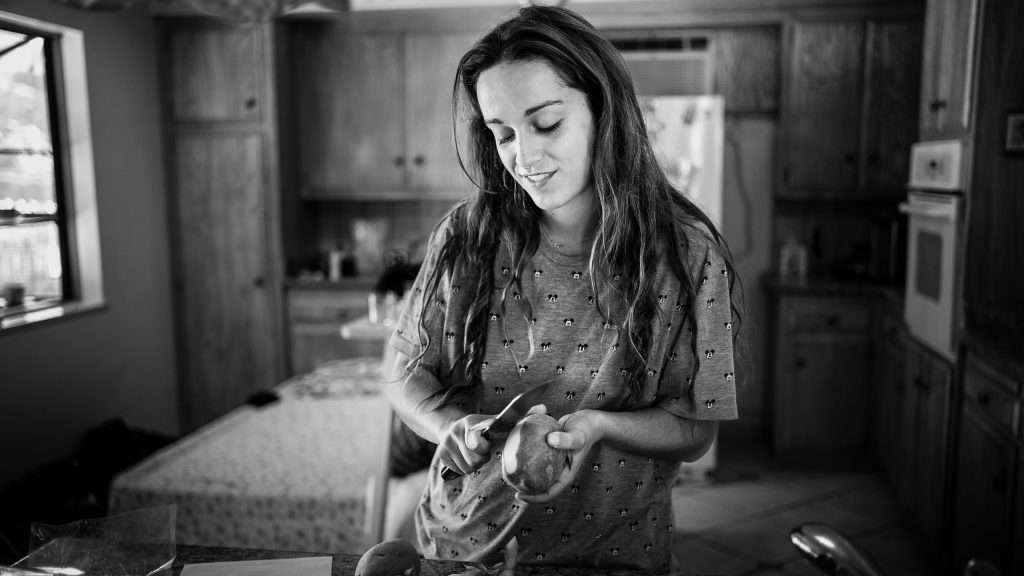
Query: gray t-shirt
[617,513]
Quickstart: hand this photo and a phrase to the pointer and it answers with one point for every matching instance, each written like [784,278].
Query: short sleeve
[410,337]
[710,394]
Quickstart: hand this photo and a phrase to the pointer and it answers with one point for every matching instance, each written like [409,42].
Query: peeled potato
[390,558]
[528,464]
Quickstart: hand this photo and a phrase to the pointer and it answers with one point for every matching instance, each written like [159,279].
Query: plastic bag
[136,543]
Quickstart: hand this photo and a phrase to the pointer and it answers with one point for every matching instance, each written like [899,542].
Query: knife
[506,420]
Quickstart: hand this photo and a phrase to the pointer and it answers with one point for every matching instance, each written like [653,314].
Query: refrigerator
[688,135]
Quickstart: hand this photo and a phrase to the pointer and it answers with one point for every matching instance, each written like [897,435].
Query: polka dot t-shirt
[617,513]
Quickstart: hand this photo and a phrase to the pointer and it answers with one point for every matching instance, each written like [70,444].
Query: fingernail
[554,439]
[472,441]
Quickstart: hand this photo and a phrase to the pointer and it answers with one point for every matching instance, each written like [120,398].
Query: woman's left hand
[580,431]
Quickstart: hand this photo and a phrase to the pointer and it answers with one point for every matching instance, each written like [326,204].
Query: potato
[528,464]
[390,558]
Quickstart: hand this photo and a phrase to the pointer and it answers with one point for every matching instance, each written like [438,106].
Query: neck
[570,236]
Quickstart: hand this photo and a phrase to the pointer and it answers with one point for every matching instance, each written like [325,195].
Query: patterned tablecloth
[296,474]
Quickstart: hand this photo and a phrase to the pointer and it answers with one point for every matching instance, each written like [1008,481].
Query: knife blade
[507,419]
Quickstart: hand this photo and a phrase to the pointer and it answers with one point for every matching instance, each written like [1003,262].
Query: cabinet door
[888,409]
[823,410]
[950,29]
[982,521]
[893,93]
[823,110]
[430,62]
[747,68]
[931,433]
[349,106]
[215,73]
[227,315]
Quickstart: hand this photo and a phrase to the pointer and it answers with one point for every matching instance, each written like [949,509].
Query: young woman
[576,264]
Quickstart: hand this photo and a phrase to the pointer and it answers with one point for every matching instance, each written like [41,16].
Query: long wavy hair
[632,226]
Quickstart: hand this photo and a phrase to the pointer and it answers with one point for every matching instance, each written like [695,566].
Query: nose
[528,153]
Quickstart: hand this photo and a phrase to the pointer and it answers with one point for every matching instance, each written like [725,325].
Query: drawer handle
[984,399]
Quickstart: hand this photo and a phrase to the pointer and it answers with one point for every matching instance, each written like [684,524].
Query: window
[49,242]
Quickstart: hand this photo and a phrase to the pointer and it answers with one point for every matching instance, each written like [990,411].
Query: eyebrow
[529,111]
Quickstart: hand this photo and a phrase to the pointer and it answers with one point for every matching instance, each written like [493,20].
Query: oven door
[931,269]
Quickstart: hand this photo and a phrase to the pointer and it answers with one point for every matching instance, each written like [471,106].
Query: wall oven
[934,222]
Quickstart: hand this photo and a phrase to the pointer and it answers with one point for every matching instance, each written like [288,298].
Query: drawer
[994,395]
[332,306]
[893,330]
[828,315]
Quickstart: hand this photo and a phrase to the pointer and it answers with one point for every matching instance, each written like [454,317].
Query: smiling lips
[538,177]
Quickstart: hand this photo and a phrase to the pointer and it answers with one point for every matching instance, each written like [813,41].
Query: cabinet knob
[850,158]
[399,161]
[984,398]
[419,160]
[250,103]
[936,104]
[258,282]
[832,321]
[800,363]
[873,159]
[999,483]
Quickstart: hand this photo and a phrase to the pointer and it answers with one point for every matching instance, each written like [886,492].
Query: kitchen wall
[62,377]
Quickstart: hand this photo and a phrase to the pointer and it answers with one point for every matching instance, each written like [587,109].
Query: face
[543,131]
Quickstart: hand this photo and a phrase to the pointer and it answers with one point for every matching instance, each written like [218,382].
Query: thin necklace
[558,244]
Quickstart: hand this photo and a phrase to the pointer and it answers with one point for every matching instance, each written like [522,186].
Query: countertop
[366,283]
[345,564]
[831,286]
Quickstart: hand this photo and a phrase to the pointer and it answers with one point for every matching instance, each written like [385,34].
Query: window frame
[78,219]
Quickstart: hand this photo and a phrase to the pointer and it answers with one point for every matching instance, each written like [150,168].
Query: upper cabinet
[747,68]
[851,89]
[950,36]
[374,114]
[216,73]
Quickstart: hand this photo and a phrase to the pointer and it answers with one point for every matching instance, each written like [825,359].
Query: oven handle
[945,213]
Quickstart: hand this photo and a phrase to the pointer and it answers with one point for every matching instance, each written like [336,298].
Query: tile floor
[737,522]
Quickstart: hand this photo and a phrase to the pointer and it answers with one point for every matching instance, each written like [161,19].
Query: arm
[652,432]
[455,432]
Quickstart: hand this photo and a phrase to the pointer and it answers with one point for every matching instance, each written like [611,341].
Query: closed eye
[541,129]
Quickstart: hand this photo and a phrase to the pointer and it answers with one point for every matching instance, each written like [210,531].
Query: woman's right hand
[462,447]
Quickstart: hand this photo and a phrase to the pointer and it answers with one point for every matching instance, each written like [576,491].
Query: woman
[576,264]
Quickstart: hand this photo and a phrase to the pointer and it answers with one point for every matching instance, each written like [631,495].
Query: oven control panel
[936,165]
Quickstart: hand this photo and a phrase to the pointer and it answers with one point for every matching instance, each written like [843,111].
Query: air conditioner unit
[667,63]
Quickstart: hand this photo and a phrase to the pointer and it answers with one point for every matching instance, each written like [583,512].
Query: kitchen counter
[345,564]
[830,286]
[366,283]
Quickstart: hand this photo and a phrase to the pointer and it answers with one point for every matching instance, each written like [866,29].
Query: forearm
[657,433]
[409,394]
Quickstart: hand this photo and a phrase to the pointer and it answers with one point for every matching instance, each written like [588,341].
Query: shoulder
[699,242]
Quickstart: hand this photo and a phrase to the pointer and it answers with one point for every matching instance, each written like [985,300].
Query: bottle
[334,259]
[793,259]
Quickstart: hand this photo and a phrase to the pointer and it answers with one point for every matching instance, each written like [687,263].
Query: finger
[482,424]
[566,440]
[476,442]
[538,409]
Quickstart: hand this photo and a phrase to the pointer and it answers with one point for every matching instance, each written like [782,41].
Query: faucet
[832,553]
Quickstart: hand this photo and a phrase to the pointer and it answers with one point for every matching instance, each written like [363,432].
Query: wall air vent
[666,63]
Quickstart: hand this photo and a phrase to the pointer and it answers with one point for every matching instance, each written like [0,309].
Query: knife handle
[450,474]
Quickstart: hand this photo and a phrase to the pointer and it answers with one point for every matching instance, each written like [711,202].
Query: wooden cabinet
[890,374]
[987,453]
[315,317]
[223,203]
[851,87]
[374,114]
[823,351]
[747,67]
[924,440]
[947,74]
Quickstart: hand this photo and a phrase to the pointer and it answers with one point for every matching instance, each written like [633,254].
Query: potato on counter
[389,558]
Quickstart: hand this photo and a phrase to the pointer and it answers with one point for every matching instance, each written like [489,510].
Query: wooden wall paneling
[747,61]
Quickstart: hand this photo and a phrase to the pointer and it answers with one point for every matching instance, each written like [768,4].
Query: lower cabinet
[823,358]
[987,459]
[890,390]
[925,441]
[315,318]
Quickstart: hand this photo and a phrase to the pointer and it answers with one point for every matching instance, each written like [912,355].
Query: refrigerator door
[688,134]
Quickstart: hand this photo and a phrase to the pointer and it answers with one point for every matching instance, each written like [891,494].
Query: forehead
[506,90]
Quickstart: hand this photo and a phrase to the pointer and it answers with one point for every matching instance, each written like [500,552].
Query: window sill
[18,316]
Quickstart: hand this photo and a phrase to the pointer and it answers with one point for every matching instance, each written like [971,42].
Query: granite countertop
[357,283]
[345,564]
[830,286]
